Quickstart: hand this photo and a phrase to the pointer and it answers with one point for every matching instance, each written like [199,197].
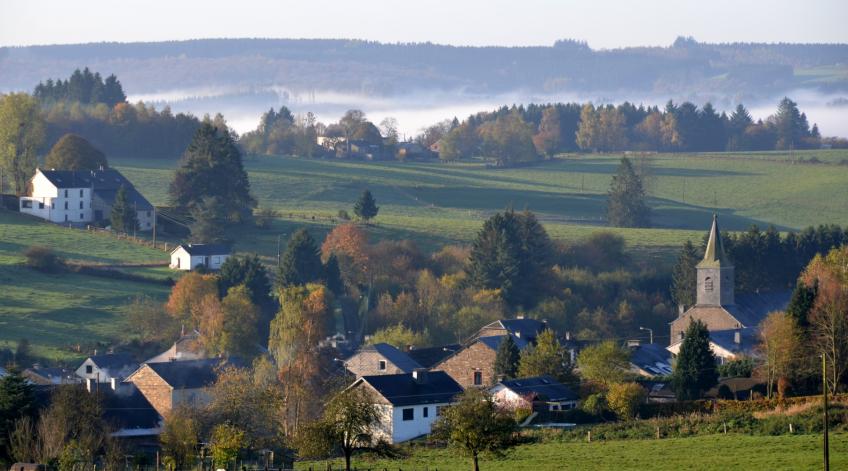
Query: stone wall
[462,365]
[154,388]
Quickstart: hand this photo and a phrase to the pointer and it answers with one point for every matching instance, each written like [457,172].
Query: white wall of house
[403,430]
[509,399]
[724,355]
[59,205]
[88,370]
[182,260]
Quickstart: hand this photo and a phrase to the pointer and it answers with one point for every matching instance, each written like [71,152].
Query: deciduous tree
[606,363]
[546,357]
[22,132]
[72,152]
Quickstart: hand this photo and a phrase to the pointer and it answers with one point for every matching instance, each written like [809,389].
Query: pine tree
[684,277]
[626,204]
[801,304]
[333,275]
[495,261]
[366,207]
[301,263]
[209,222]
[695,371]
[506,358]
[123,217]
[16,400]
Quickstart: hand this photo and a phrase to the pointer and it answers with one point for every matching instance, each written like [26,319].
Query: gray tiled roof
[494,341]
[752,308]
[404,390]
[189,374]
[427,357]
[105,184]
[725,339]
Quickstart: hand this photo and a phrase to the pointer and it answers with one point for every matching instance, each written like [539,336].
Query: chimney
[115,383]
[409,347]
[680,310]
[91,385]
[567,335]
[737,337]
[419,375]
[520,315]
[633,343]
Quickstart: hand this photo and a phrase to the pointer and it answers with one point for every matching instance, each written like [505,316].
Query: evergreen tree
[506,358]
[626,204]
[695,371]
[333,275]
[535,257]
[247,271]
[495,255]
[301,263]
[366,207]
[209,221]
[684,277]
[124,217]
[801,304]
[16,400]
[212,167]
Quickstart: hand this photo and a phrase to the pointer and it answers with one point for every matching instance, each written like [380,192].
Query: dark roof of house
[524,328]
[113,361]
[127,408]
[494,341]
[427,357]
[189,374]
[205,249]
[105,184]
[658,389]
[652,358]
[752,308]
[725,339]
[397,357]
[47,373]
[544,388]
[404,390]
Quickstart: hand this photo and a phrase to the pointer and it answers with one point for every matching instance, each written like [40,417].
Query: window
[478,378]
[66,218]
[66,193]
[80,216]
[708,284]
[426,412]
[40,205]
[382,366]
[81,192]
[88,369]
[52,205]
[66,205]
[81,205]
[408,414]
[26,203]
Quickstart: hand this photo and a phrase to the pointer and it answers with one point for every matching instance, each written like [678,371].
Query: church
[732,320]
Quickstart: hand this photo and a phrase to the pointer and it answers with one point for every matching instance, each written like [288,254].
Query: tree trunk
[347,454]
[474,466]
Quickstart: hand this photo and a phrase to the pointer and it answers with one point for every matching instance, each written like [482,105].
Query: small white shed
[191,256]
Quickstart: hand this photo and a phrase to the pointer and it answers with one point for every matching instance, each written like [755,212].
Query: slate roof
[189,374]
[47,375]
[204,249]
[113,361]
[543,388]
[724,339]
[652,358]
[397,357]
[105,184]
[752,308]
[127,408]
[427,357]
[494,341]
[527,328]
[403,390]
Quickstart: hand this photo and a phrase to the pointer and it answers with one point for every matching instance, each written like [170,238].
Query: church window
[708,284]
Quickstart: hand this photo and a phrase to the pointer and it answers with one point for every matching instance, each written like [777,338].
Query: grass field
[435,203]
[716,452]
[56,312]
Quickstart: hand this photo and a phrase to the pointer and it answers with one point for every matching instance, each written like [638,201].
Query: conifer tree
[333,275]
[695,371]
[301,263]
[684,277]
[366,207]
[209,221]
[506,358]
[123,217]
[626,204]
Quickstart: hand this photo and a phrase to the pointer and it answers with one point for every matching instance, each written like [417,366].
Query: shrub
[343,215]
[595,404]
[263,217]
[625,398]
[43,259]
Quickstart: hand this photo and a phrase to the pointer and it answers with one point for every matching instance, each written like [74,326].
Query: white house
[82,197]
[534,393]
[105,368]
[191,256]
[409,403]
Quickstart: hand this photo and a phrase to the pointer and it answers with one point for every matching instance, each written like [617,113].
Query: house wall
[715,318]
[189,262]
[403,430]
[367,363]
[462,365]
[721,353]
[48,202]
[145,217]
[507,398]
[181,260]
[154,388]
[102,375]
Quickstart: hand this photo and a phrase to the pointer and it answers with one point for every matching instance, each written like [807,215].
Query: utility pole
[154,227]
[824,393]
[278,251]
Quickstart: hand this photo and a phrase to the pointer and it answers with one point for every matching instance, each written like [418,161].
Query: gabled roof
[543,388]
[189,374]
[427,357]
[105,184]
[392,354]
[726,339]
[652,358]
[204,249]
[404,390]
[113,361]
[494,341]
[714,256]
[752,308]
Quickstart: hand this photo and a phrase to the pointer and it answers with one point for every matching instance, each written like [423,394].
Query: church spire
[714,255]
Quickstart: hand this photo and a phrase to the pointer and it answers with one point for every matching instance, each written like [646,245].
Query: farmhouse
[474,365]
[537,393]
[105,368]
[191,256]
[732,321]
[172,384]
[82,196]
[409,403]
[380,359]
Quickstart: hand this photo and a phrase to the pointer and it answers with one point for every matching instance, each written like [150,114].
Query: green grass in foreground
[715,452]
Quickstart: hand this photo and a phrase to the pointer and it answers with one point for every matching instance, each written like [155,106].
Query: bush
[43,259]
[595,404]
[625,398]
[343,215]
[264,217]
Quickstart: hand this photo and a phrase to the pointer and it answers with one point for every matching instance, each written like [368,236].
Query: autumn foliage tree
[781,351]
[349,243]
[186,297]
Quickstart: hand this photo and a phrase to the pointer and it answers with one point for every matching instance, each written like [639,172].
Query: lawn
[715,452]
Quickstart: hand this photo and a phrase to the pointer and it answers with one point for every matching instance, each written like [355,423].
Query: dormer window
[708,284]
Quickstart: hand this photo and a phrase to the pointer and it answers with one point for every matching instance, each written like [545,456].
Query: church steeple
[715,272]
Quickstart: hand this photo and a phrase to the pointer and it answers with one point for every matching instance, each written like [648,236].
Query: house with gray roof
[380,359]
[535,393]
[732,320]
[474,364]
[104,368]
[649,359]
[80,197]
[408,403]
[171,384]
[191,256]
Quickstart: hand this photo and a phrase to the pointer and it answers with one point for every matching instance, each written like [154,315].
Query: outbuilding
[190,256]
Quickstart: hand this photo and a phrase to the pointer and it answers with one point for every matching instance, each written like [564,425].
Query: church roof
[714,256]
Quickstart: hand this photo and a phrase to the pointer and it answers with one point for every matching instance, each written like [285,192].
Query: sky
[602,23]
